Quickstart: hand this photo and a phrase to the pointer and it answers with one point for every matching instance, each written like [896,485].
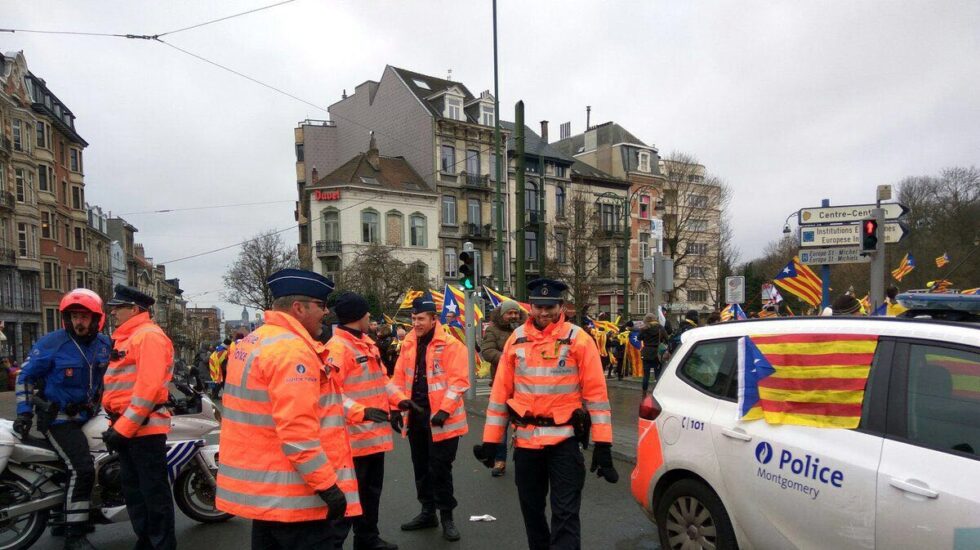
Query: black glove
[113,440]
[375,415]
[486,453]
[602,461]
[440,419]
[336,501]
[397,422]
[22,424]
[408,404]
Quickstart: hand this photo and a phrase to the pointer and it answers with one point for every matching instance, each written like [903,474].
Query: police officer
[363,379]
[550,385]
[65,369]
[432,368]
[135,396]
[285,455]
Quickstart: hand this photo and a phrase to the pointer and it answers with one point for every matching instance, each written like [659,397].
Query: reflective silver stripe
[601,417]
[364,377]
[261,476]
[372,442]
[521,359]
[437,386]
[318,461]
[158,421]
[328,399]
[278,337]
[134,416]
[548,371]
[241,390]
[497,407]
[294,447]
[519,332]
[352,497]
[19,387]
[126,369]
[346,474]
[545,389]
[597,405]
[140,402]
[255,419]
[365,427]
[271,502]
[332,421]
[112,386]
[450,427]
[546,431]
[496,421]
[451,395]
[360,394]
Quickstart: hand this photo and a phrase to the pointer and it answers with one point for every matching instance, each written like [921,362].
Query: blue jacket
[68,375]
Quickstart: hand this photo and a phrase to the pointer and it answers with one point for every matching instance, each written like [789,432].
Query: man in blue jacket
[61,382]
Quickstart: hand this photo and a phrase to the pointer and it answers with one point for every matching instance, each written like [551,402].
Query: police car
[907,476]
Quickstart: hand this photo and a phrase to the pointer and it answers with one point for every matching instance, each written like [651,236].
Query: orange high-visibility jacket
[363,380]
[136,382]
[215,360]
[282,433]
[550,374]
[447,372]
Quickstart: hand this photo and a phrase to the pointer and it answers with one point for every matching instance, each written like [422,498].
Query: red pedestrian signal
[869,235]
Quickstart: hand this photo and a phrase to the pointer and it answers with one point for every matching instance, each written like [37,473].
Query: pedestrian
[6,375]
[503,320]
[217,362]
[285,455]
[653,336]
[361,374]
[846,304]
[433,369]
[65,368]
[135,396]
[689,321]
[550,385]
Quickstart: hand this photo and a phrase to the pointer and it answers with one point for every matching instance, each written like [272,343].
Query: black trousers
[370,470]
[146,488]
[305,535]
[561,468]
[650,364]
[71,445]
[433,465]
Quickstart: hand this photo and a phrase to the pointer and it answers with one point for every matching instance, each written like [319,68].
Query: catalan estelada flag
[942,260]
[798,279]
[733,312]
[495,298]
[804,379]
[971,291]
[904,268]
[410,296]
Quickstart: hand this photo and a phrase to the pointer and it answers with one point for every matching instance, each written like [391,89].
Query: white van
[907,477]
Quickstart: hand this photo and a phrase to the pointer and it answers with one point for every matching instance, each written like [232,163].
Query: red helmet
[82,298]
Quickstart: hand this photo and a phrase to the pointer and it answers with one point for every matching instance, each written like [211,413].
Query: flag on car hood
[804,379]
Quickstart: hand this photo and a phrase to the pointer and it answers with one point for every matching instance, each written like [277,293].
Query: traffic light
[869,235]
[468,270]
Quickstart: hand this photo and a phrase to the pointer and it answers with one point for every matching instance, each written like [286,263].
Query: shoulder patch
[300,368]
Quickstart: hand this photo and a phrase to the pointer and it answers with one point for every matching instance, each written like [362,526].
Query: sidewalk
[624,400]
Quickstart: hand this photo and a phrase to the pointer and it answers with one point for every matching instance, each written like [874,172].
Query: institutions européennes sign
[852,213]
[821,236]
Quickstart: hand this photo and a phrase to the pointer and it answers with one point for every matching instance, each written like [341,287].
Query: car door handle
[913,488]
[736,433]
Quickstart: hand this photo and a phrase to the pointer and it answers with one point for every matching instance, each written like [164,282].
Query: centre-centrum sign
[852,213]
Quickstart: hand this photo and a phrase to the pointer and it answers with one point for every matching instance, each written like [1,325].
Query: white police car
[908,476]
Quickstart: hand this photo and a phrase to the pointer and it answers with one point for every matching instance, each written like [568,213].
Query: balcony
[475,181]
[6,200]
[477,231]
[8,256]
[328,248]
[533,217]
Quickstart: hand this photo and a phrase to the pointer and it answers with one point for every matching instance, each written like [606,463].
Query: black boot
[449,531]
[379,544]
[75,538]
[425,520]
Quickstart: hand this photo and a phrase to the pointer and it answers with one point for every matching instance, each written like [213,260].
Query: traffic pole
[470,312]
[876,294]
[824,275]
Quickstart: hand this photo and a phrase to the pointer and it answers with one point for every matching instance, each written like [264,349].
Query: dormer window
[486,114]
[644,161]
[454,108]
[421,84]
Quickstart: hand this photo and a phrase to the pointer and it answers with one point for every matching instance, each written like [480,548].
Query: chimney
[565,130]
[372,154]
[314,176]
[588,117]
[544,130]
[344,95]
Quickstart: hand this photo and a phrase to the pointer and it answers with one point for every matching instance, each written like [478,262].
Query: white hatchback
[907,477]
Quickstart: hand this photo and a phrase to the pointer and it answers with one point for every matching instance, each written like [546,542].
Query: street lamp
[786,228]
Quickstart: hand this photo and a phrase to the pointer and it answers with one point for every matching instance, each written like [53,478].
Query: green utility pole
[501,174]
[626,257]
[540,228]
[520,288]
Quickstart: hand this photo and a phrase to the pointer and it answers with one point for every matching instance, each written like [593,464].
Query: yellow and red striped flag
[410,296]
[942,260]
[964,372]
[804,379]
[904,267]
[798,279]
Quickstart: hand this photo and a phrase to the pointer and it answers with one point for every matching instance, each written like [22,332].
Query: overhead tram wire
[169,210]
[227,17]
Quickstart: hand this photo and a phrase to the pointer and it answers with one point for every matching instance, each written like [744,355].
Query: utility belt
[580,421]
[49,411]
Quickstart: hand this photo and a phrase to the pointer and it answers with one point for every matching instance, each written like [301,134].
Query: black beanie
[350,307]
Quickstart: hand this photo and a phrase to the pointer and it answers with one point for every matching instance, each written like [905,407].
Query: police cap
[129,296]
[299,282]
[424,303]
[546,292]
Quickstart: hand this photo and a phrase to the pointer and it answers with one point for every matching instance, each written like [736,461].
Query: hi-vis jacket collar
[288,322]
[438,335]
[534,333]
[126,329]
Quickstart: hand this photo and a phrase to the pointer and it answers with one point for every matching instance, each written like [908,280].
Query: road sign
[842,255]
[735,290]
[821,236]
[852,213]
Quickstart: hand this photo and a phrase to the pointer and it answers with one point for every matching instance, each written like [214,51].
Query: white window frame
[699,292]
[449,210]
[643,161]
[327,223]
[696,249]
[454,107]
[451,261]
[373,236]
[419,238]
[487,117]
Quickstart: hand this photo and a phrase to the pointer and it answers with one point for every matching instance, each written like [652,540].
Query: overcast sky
[789,102]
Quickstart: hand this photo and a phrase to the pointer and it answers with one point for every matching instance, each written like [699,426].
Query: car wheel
[690,515]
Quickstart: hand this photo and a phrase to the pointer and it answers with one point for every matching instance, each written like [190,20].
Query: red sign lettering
[326,195]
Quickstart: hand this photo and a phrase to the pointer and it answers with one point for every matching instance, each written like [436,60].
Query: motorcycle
[34,480]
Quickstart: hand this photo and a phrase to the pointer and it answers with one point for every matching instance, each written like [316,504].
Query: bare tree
[381,278]
[576,255]
[693,203]
[259,258]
